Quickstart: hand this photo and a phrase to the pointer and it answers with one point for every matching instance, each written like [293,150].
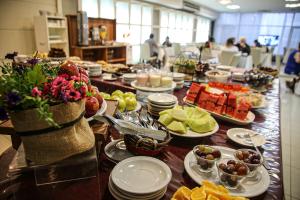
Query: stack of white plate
[139,178]
[94,69]
[160,101]
[178,78]
[128,78]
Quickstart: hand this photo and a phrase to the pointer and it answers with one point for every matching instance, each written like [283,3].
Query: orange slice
[183,193]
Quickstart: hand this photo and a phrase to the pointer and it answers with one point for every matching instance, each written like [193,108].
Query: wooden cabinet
[109,53]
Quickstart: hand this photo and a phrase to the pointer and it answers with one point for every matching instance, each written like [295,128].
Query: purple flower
[33,61]
[13,99]
[3,114]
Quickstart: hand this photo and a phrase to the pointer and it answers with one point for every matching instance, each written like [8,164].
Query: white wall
[16,22]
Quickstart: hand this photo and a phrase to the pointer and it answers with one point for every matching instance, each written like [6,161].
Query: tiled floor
[290,132]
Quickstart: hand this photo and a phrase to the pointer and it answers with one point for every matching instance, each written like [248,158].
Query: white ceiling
[248,5]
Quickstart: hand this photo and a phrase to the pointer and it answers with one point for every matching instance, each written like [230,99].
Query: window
[107,9]
[91,7]
[203,28]
[178,26]
[251,25]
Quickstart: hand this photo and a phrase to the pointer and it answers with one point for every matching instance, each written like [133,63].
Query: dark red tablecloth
[267,122]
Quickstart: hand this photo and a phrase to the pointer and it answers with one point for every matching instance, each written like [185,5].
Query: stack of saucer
[160,101]
[139,178]
[178,78]
[94,69]
[128,78]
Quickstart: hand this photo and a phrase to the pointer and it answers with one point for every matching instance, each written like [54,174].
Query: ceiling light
[225,2]
[233,7]
[291,0]
[294,5]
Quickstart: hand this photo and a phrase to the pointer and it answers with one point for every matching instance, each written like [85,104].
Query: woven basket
[44,144]
[145,146]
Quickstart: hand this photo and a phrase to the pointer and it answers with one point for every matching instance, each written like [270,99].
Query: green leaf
[36,76]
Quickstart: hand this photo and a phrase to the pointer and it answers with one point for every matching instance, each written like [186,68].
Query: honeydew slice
[177,127]
[165,119]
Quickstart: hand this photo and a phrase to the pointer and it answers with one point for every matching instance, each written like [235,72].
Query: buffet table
[267,122]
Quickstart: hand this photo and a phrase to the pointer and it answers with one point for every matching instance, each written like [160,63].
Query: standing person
[229,46]
[243,46]
[293,63]
[167,42]
[153,45]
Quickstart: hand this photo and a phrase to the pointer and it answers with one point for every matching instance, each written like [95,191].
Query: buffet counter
[267,122]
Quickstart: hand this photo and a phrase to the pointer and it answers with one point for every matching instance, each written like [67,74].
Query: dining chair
[226,57]
[257,55]
[235,60]
[206,54]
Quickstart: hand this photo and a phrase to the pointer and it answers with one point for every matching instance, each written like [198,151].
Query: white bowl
[218,75]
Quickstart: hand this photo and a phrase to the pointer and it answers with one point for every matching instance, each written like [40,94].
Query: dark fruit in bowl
[99,98]
[69,68]
[91,106]
[206,157]
[232,172]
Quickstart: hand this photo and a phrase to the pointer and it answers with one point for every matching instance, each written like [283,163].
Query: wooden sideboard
[108,53]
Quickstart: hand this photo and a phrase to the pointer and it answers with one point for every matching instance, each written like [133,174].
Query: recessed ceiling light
[233,7]
[225,2]
[294,5]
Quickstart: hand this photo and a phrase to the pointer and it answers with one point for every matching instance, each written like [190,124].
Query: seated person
[153,45]
[293,63]
[167,42]
[257,43]
[243,46]
[209,43]
[229,46]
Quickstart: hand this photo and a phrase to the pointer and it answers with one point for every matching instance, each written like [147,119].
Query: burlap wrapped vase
[44,144]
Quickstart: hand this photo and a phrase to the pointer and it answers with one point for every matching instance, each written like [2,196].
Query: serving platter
[249,188]
[238,135]
[153,89]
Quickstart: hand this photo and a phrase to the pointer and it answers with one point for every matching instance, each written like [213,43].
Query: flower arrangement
[40,86]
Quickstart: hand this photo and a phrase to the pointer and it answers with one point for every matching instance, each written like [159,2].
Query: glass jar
[142,78]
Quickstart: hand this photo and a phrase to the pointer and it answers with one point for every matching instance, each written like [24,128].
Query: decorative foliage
[38,86]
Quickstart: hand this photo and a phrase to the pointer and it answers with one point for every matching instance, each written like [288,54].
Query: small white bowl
[218,76]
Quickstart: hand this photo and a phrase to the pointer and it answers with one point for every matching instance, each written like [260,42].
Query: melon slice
[168,111]
[202,125]
[179,115]
[177,127]
[165,119]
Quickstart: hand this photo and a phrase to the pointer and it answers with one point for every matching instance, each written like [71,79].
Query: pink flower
[58,81]
[83,90]
[72,95]
[35,92]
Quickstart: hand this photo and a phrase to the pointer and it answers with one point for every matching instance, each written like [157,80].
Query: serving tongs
[126,127]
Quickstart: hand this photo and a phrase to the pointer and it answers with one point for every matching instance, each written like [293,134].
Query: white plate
[178,76]
[114,153]
[153,89]
[192,134]
[249,119]
[257,139]
[161,106]
[224,68]
[141,175]
[137,108]
[101,111]
[249,188]
[109,78]
[162,99]
[124,195]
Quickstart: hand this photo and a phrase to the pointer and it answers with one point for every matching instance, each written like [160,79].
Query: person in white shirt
[229,46]
[153,45]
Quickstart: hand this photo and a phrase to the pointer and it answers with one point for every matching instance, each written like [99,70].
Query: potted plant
[46,105]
